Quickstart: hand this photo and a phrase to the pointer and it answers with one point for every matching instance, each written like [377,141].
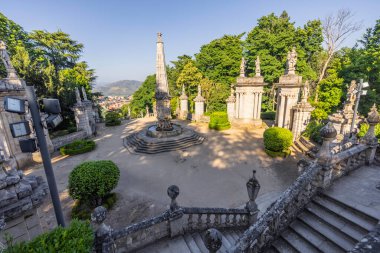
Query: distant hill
[119,88]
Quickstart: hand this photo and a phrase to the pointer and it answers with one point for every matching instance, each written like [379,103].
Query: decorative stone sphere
[173,191]
[328,131]
[373,116]
[99,214]
[213,240]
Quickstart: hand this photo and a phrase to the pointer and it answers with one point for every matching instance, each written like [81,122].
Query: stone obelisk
[162,89]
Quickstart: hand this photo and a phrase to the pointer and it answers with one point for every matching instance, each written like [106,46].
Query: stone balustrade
[176,221]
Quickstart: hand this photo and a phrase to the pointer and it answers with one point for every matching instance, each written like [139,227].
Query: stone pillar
[370,138]
[324,156]
[288,93]
[301,113]
[184,104]
[231,100]
[199,104]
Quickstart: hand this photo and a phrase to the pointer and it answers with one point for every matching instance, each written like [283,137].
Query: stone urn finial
[99,214]
[328,134]
[173,192]
[328,131]
[373,115]
[253,188]
[213,240]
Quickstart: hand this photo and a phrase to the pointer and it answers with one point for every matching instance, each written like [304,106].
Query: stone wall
[69,138]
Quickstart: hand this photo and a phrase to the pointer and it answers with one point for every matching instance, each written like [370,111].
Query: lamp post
[38,127]
[359,92]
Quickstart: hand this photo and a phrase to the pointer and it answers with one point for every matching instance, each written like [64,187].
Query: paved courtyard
[213,174]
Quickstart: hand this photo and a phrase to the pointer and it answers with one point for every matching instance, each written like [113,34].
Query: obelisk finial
[159,37]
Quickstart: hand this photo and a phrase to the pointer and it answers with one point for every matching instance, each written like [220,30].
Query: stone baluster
[324,156]
[213,240]
[253,188]
[103,235]
[370,138]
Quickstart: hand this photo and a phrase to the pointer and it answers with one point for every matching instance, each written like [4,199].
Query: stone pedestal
[301,117]
[288,96]
[231,103]
[199,105]
[184,105]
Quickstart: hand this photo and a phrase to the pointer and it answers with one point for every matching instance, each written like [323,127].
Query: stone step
[165,148]
[178,244]
[339,222]
[339,209]
[199,241]
[304,149]
[334,235]
[282,246]
[297,242]
[308,144]
[191,244]
[314,238]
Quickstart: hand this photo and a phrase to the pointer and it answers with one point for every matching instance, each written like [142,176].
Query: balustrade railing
[175,221]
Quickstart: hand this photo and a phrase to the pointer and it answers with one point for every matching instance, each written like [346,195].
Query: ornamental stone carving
[213,240]
[173,192]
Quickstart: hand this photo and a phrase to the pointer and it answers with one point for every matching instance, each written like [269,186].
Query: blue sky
[119,36]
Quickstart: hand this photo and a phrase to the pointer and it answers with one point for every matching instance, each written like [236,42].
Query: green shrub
[91,181]
[82,210]
[277,139]
[268,115]
[312,131]
[364,128]
[112,119]
[219,121]
[77,237]
[78,147]
[278,153]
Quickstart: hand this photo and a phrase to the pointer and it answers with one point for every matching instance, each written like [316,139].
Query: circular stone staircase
[141,143]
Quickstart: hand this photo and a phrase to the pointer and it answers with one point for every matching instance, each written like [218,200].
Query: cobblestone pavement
[213,174]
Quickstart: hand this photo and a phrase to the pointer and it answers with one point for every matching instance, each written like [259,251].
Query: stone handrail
[318,175]
[175,221]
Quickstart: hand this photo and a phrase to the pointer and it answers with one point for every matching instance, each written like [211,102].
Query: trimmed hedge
[78,147]
[77,237]
[277,140]
[268,115]
[91,181]
[219,121]
[112,119]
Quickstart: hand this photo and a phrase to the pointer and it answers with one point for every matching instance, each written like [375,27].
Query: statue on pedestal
[291,62]
[242,67]
[258,69]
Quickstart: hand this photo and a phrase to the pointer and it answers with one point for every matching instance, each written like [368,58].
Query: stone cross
[11,72]
[77,96]
[291,62]
[84,94]
[258,69]
[199,90]
[242,67]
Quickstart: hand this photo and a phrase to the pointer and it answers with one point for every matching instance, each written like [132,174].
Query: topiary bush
[312,131]
[219,121]
[277,141]
[91,181]
[77,237]
[268,115]
[78,147]
[112,119]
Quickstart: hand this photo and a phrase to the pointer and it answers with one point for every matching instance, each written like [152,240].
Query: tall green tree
[143,96]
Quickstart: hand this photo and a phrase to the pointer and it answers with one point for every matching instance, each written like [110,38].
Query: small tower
[184,107]
[199,104]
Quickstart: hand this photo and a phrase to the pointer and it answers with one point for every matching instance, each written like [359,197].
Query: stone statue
[84,94]
[11,72]
[258,69]
[291,62]
[242,67]
[305,91]
[199,90]
[77,96]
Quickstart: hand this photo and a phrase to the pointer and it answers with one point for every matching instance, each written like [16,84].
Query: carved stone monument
[85,116]
[301,113]
[199,105]
[245,106]
[288,92]
[184,104]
